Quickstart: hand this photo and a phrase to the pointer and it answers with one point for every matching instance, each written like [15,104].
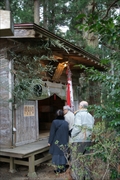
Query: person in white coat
[81,135]
[69,117]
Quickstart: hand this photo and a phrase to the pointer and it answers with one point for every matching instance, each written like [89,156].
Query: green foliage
[98,52]
[106,149]
[104,155]
[22,11]
[109,90]
[62,13]
[108,29]
[2,6]
[102,158]
[29,66]
[27,71]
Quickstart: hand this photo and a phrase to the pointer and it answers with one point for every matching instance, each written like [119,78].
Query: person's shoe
[67,166]
[60,170]
[57,171]
[63,170]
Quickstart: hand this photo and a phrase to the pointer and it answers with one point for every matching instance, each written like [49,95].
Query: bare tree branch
[110,8]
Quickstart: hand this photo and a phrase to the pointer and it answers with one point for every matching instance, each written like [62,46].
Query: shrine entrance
[46,111]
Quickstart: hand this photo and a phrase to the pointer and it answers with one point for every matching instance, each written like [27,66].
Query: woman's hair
[59,114]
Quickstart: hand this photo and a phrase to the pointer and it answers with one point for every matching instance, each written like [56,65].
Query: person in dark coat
[58,140]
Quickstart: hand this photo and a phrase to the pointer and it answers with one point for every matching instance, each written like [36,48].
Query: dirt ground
[45,171]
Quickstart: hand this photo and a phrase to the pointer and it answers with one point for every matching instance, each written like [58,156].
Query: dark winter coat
[59,132]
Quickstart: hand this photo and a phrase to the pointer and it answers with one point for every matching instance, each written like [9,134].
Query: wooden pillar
[12,165]
[32,172]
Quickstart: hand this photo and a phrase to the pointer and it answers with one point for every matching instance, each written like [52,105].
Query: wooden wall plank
[5,111]
[26,131]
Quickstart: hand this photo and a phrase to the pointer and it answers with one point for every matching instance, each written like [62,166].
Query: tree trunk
[53,17]
[91,38]
[36,12]
[45,14]
[7,5]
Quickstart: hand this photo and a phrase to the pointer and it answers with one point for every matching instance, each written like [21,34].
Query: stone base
[12,170]
[32,175]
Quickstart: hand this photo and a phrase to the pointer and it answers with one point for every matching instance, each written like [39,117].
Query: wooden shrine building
[24,124]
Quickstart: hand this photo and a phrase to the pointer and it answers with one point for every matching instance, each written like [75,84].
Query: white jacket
[69,117]
[83,126]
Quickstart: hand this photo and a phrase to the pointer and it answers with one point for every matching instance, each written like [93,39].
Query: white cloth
[69,117]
